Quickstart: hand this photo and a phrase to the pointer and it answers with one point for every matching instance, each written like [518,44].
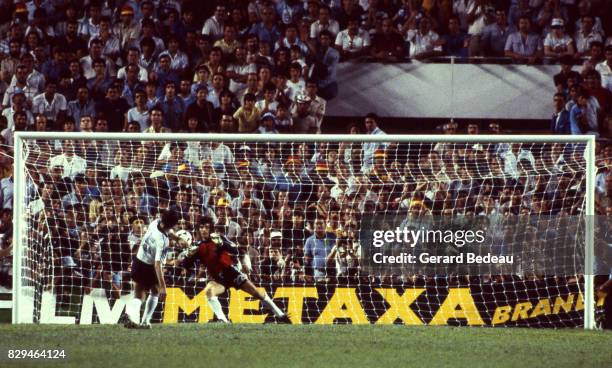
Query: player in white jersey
[147,270]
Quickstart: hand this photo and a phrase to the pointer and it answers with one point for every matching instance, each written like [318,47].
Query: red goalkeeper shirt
[217,257]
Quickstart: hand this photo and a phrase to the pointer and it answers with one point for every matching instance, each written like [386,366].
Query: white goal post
[25,295]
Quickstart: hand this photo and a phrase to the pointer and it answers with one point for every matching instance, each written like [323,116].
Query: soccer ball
[185,235]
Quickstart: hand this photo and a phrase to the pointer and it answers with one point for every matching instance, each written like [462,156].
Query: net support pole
[589,254]
[18,221]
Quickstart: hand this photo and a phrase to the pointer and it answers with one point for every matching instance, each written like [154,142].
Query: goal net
[438,230]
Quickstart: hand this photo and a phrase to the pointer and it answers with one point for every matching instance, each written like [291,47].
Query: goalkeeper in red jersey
[220,258]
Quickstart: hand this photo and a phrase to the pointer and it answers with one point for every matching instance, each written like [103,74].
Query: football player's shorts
[144,274]
[231,277]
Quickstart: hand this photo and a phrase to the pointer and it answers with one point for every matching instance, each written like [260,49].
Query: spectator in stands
[479,14]
[585,35]
[291,39]
[130,84]
[163,74]
[388,45]
[127,29]
[267,30]
[495,128]
[284,120]
[584,114]
[70,42]
[78,196]
[585,8]
[368,149]
[605,69]
[95,53]
[424,42]
[247,115]
[68,160]
[267,124]
[19,85]
[99,83]
[326,62]
[133,57]
[90,27]
[317,104]
[56,67]
[518,9]
[455,43]
[566,73]
[303,121]
[557,43]
[34,78]
[349,9]
[343,257]
[229,42]
[18,105]
[238,72]
[19,123]
[226,107]
[592,84]
[148,31]
[268,103]
[252,86]
[9,64]
[156,117]
[596,55]
[218,87]
[353,42]
[524,46]
[214,26]
[82,106]
[173,107]
[473,129]
[110,43]
[295,83]
[71,80]
[316,250]
[552,9]
[324,22]
[51,104]
[114,108]
[178,59]
[560,123]
[202,110]
[139,113]
[273,265]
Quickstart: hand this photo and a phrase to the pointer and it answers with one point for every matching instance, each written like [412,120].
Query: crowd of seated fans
[293,209]
[268,66]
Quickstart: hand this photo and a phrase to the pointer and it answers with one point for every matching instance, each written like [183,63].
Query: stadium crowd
[270,67]
[293,209]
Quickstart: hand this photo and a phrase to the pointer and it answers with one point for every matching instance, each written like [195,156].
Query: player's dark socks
[127,322]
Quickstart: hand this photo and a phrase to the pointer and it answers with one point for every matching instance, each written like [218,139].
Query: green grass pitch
[215,345]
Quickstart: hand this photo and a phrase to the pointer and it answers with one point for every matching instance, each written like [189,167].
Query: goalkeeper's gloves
[187,253]
[216,238]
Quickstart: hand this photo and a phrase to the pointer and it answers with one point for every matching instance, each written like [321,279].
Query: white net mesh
[296,212]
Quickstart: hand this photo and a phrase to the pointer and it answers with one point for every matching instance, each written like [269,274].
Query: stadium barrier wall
[508,304]
[420,90]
